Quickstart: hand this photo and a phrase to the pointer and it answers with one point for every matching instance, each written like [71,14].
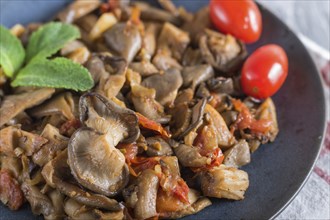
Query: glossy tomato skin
[241,19]
[264,72]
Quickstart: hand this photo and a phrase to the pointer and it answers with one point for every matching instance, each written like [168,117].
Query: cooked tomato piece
[10,191]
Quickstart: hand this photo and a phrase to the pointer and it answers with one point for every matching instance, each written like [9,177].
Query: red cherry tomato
[264,71]
[241,19]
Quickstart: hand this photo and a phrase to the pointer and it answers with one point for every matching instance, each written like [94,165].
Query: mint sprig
[39,71]
[49,39]
[57,73]
[12,53]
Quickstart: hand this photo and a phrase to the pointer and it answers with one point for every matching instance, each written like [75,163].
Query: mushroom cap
[96,163]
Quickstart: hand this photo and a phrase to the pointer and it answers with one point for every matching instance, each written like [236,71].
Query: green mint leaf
[12,53]
[50,38]
[57,73]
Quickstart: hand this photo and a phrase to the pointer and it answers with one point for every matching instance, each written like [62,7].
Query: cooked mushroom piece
[223,52]
[163,61]
[78,9]
[180,120]
[238,155]
[40,203]
[96,163]
[172,40]
[166,85]
[221,85]
[142,196]
[192,57]
[194,75]
[267,111]
[57,174]
[105,116]
[157,146]
[190,157]
[123,40]
[225,182]
[14,104]
[113,77]
[60,104]
[145,68]
[56,143]
[57,199]
[13,137]
[149,13]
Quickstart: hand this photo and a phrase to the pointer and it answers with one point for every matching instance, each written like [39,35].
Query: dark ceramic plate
[278,170]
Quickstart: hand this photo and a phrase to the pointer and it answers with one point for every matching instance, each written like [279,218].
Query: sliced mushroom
[58,175]
[12,105]
[225,182]
[163,61]
[96,163]
[194,75]
[113,80]
[180,120]
[107,117]
[11,164]
[221,85]
[123,40]
[61,104]
[149,13]
[172,40]
[192,57]
[145,68]
[200,21]
[238,155]
[223,52]
[145,193]
[58,205]
[145,103]
[78,9]
[96,68]
[56,143]
[40,203]
[157,146]
[267,111]
[190,157]
[196,118]
[166,85]
[149,38]
[225,138]
[13,137]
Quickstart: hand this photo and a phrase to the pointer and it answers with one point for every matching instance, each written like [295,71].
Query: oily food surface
[164,127]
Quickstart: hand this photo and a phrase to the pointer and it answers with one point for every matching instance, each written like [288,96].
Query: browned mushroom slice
[96,163]
[40,203]
[173,40]
[267,111]
[14,104]
[142,196]
[238,155]
[149,13]
[157,146]
[111,83]
[221,85]
[77,211]
[225,182]
[56,142]
[145,103]
[58,175]
[123,40]
[13,137]
[166,85]
[200,21]
[61,104]
[223,52]
[77,9]
[11,164]
[107,117]
[58,205]
[145,68]
[192,57]
[180,120]
[163,61]
[189,156]
[194,75]
[224,136]
[196,117]
[96,68]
